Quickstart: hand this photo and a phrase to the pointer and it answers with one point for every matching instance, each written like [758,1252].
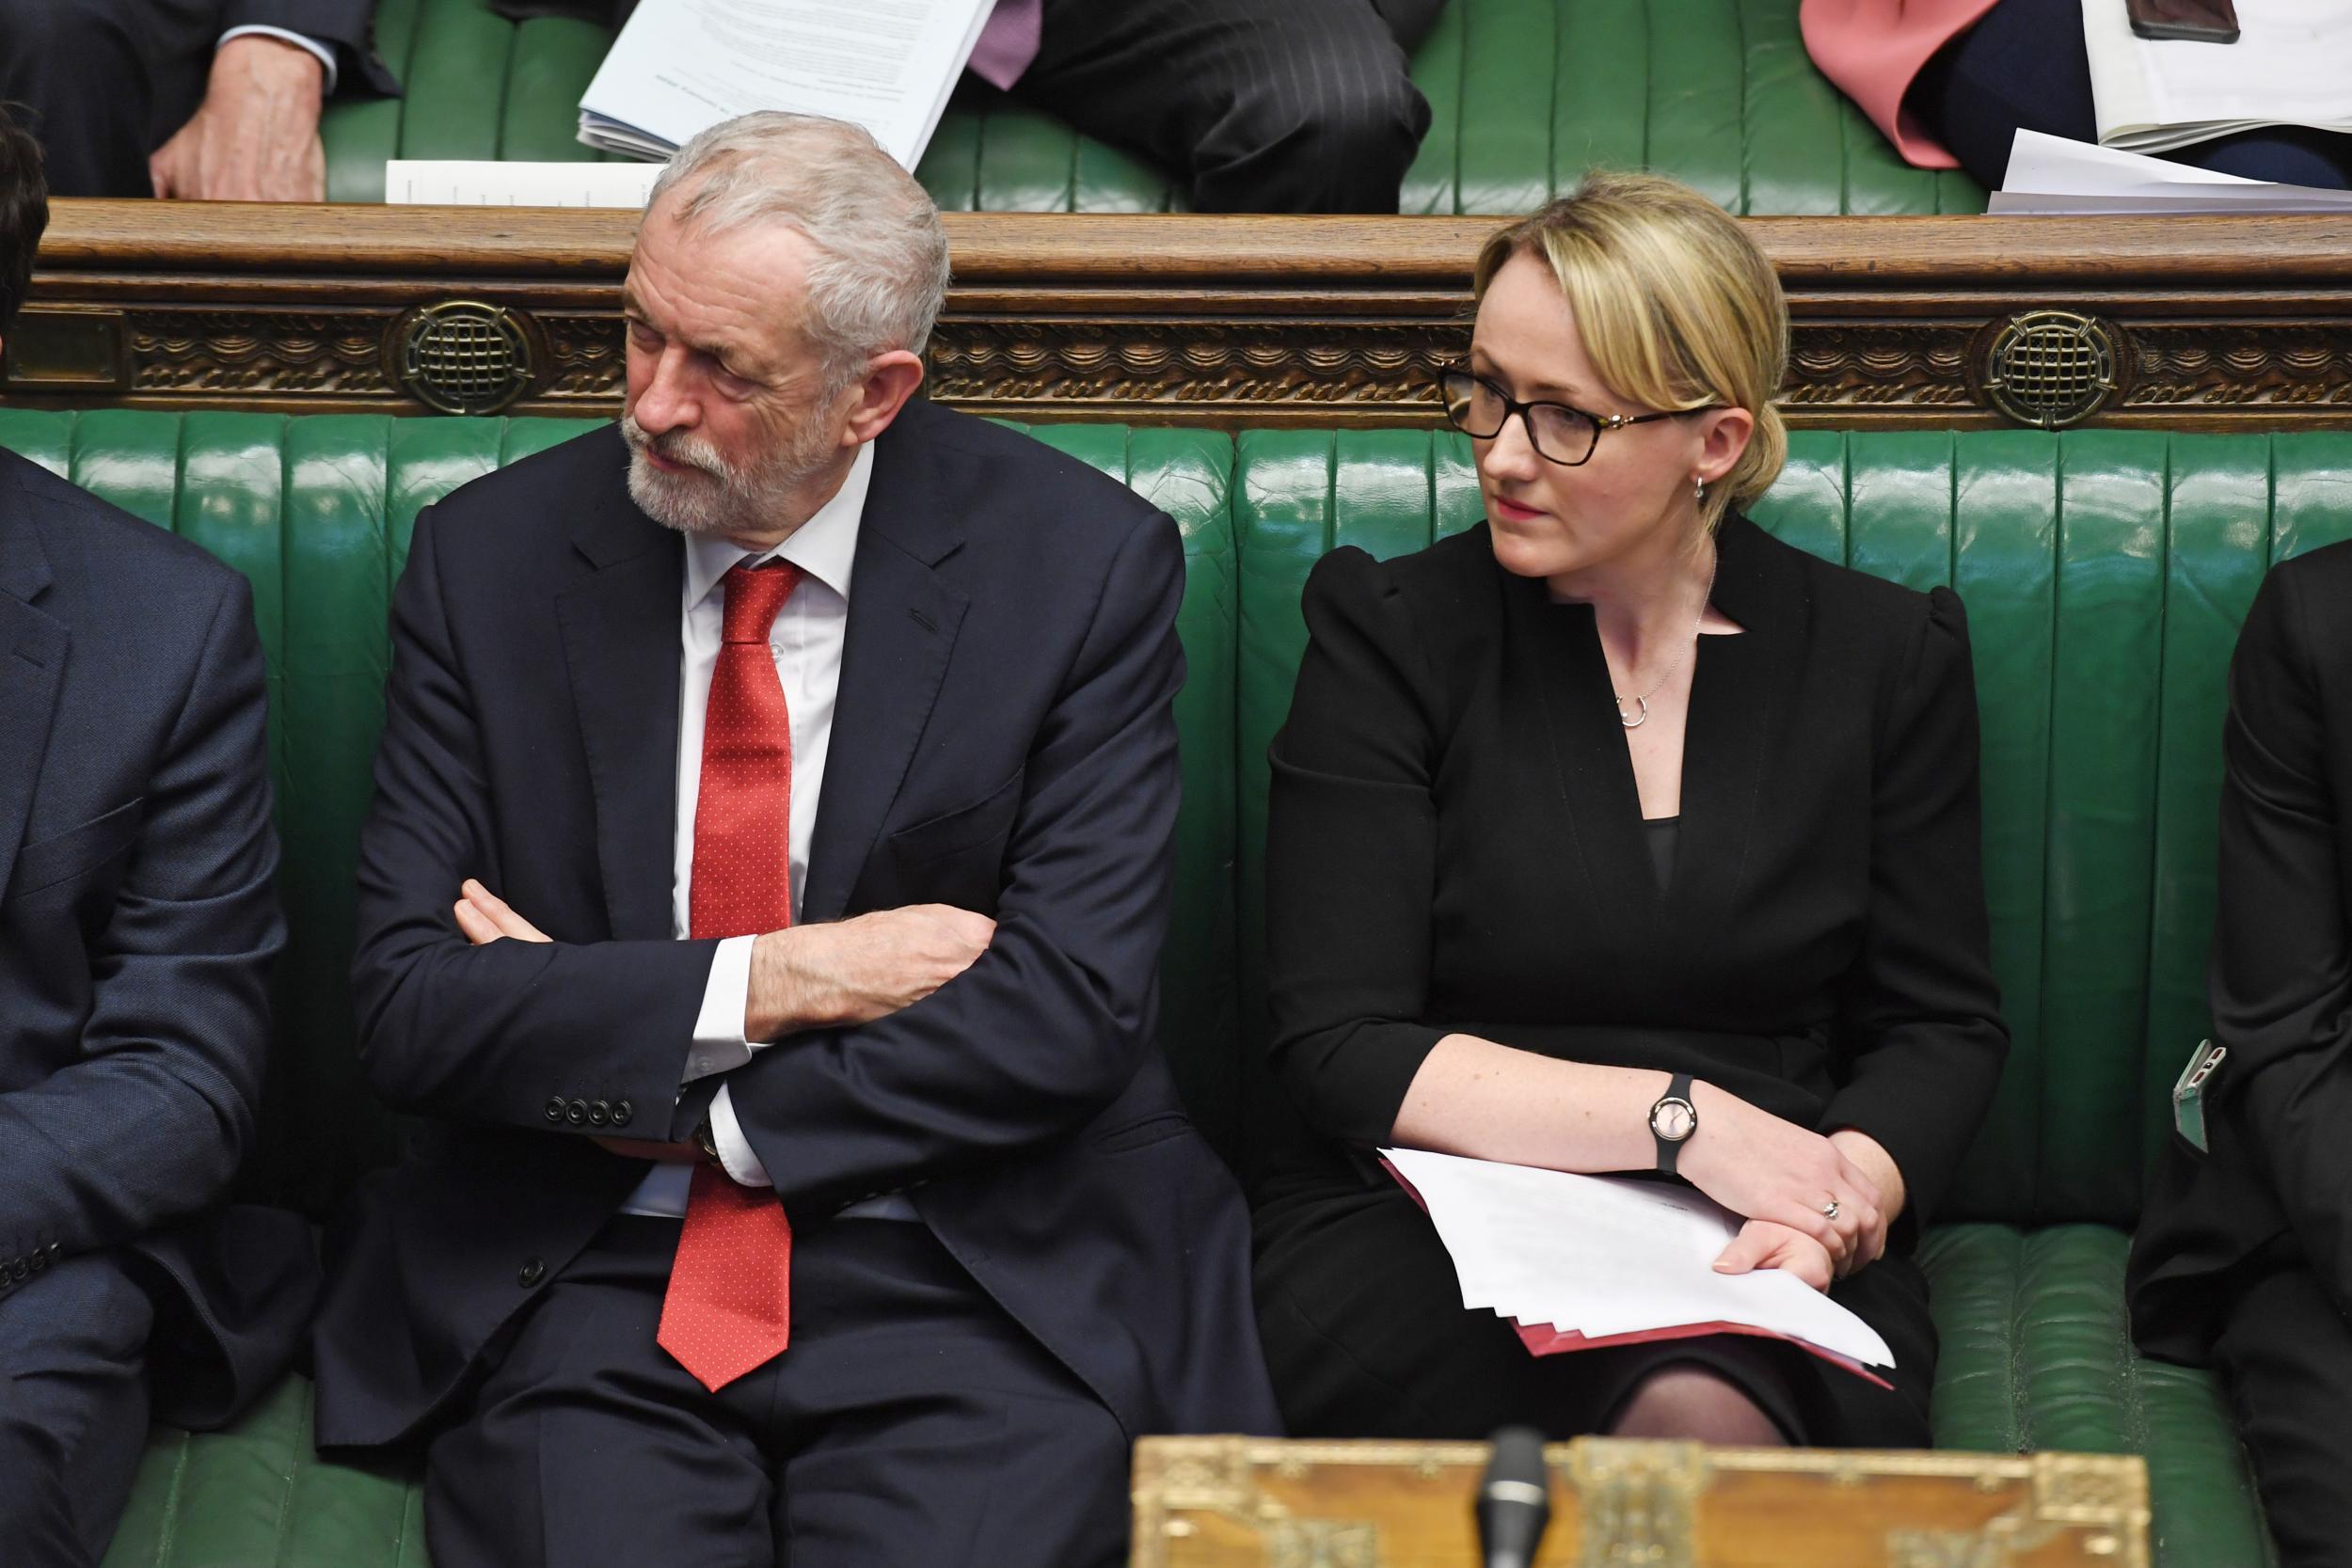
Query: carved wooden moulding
[1228,321]
[1233,1502]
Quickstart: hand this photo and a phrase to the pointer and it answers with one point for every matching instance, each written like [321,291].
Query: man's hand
[1762,1244]
[485,917]
[847,973]
[256,135]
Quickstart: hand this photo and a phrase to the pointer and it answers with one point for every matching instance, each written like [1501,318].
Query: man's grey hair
[881,271]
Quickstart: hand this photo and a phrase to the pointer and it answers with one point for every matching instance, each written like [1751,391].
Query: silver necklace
[1641,702]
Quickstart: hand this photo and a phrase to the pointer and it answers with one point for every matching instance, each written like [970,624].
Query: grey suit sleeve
[152,1120]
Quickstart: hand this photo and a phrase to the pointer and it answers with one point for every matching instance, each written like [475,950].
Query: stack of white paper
[682,66]
[2051,174]
[2291,65]
[469,182]
[1602,1255]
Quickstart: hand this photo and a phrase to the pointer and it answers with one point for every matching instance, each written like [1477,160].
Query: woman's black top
[1456,844]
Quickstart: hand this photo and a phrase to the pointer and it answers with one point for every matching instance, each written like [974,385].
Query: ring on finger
[1830,1210]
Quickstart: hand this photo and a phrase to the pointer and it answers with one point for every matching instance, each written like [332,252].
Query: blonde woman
[1615,835]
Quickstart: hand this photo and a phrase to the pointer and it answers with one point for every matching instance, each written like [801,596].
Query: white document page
[2051,174]
[471,183]
[682,66]
[1604,1255]
[2291,65]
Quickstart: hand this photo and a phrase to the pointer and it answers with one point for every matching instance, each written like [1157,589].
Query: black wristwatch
[1671,1121]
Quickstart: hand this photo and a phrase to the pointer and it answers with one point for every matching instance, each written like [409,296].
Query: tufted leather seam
[167,1530]
[2036,1208]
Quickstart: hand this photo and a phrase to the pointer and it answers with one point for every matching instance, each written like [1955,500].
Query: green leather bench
[2106,573]
[1524,94]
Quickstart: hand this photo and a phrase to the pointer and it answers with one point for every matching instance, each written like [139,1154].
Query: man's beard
[714,497]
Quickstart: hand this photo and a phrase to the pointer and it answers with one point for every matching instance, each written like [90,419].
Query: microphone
[1514,1501]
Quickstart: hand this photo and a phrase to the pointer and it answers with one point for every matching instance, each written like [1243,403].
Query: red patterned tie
[729,1307]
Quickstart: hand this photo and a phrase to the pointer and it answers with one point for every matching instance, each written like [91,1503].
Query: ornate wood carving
[1233,1502]
[2217,323]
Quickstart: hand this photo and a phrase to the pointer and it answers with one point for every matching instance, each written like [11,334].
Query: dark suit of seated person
[2244,1255]
[762,900]
[211,99]
[1610,800]
[138,927]
[1300,106]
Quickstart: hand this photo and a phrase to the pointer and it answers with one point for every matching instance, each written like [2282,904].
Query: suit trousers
[2024,67]
[73,1410]
[910,1423]
[1300,107]
[2285,1355]
[105,83]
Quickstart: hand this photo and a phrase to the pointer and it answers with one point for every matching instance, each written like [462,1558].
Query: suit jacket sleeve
[509,1032]
[2281,971]
[152,1122]
[1351,858]
[349,25]
[1922,1013]
[1054,1021]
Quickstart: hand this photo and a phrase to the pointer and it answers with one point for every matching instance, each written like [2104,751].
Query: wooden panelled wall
[2183,322]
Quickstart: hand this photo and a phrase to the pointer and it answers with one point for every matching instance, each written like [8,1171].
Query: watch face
[1672,1119]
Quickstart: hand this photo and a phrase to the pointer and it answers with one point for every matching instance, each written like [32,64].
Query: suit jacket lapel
[621,643]
[32,669]
[1586,745]
[1740,691]
[902,623]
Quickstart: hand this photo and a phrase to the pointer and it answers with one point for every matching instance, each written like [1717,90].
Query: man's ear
[890,379]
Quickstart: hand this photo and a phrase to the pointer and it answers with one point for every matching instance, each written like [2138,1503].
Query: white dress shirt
[806,642]
[325,55]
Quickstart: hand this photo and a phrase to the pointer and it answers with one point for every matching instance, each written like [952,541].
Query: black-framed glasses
[1560,434]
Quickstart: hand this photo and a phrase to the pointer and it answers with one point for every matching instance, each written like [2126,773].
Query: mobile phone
[2198,21]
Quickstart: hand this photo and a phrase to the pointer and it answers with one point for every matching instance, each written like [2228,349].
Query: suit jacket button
[622,1111]
[21,1270]
[600,1113]
[55,1248]
[555,1109]
[576,1113]
[39,1260]
[530,1273]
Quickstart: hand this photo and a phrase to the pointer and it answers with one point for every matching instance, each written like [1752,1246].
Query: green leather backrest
[2105,574]
[1524,95]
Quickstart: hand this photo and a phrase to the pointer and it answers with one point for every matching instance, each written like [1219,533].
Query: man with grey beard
[761,903]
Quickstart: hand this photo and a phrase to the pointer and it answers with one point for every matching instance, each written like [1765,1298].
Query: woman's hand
[1762,1244]
[1763,1169]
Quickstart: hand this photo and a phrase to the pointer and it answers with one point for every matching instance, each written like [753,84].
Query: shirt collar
[824,548]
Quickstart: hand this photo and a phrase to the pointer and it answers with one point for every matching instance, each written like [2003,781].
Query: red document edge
[1543,1339]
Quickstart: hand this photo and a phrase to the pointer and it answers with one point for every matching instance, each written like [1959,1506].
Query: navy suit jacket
[138,927]
[1002,741]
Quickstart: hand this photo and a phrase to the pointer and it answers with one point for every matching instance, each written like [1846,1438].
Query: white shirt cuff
[735,1151]
[325,55]
[719,1045]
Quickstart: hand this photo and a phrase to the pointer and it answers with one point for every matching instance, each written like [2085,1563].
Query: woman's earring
[1698,488]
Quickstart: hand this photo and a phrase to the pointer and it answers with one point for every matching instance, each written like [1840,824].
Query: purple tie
[1009,42]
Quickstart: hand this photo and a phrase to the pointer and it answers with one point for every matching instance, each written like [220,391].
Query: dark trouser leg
[928,1428]
[1300,107]
[910,1423]
[73,1409]
[2286,1358]
[103,83]
[589,1447]
[2023,66]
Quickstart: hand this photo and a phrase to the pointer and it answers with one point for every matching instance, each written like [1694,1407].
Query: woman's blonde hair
[1676,306]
